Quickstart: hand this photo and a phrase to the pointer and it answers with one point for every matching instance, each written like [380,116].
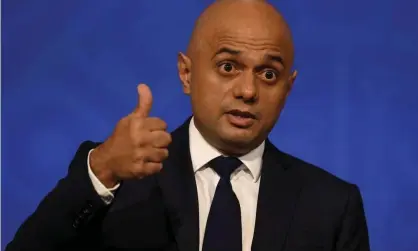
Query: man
[216,182]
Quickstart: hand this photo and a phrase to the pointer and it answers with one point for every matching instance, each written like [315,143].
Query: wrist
[100,169]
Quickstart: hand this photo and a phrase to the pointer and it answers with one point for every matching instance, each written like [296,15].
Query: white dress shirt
[245,183]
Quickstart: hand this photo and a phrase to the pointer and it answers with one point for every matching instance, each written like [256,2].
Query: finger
[152,167]
[155,124]
[138,124]
[144,101]
[151,154]
[156,155]
[154,139]
[159,139]
[141,170]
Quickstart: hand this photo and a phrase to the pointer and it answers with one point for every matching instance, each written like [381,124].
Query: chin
[238,138]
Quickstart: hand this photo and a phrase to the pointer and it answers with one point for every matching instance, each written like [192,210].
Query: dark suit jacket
[300,207]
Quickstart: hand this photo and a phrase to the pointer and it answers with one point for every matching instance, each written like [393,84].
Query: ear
[291,80]
[184,66]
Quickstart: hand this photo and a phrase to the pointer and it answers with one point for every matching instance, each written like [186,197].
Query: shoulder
[311,172]
[320,187]
[315,179]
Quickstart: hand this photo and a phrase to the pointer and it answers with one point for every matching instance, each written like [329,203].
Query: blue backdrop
[70,70]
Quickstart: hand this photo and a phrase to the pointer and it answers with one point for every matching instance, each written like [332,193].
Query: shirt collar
[201,152]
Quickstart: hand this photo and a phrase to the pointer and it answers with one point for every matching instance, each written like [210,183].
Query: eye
[226,68]
[269,75]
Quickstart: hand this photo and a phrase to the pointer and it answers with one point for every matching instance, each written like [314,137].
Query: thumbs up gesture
[136,148]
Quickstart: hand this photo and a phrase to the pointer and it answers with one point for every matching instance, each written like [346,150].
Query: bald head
[255,19]
[237,71]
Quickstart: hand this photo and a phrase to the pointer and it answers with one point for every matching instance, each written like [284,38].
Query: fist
[136,148]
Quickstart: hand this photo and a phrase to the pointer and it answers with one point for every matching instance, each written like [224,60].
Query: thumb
[144,101]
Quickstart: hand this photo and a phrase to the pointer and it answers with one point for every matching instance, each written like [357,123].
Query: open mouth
[241,119]
[242,114]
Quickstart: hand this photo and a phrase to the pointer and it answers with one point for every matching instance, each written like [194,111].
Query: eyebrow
[227,50]
[276,58]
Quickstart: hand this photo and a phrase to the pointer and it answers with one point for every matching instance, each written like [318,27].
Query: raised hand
[136,148]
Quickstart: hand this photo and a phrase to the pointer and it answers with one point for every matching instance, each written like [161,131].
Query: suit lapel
[178,187]
[278,195]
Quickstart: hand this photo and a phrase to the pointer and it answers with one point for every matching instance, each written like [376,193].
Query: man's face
[238,82]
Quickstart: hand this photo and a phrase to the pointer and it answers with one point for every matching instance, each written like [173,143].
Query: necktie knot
[225,166]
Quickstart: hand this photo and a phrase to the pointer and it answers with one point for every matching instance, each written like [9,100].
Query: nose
[246,88]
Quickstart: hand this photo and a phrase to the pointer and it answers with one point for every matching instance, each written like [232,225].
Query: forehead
[251,35]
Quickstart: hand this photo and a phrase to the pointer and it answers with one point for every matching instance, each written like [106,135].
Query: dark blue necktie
[223,227]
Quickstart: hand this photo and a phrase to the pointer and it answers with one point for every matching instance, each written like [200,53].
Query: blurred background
[70,70]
